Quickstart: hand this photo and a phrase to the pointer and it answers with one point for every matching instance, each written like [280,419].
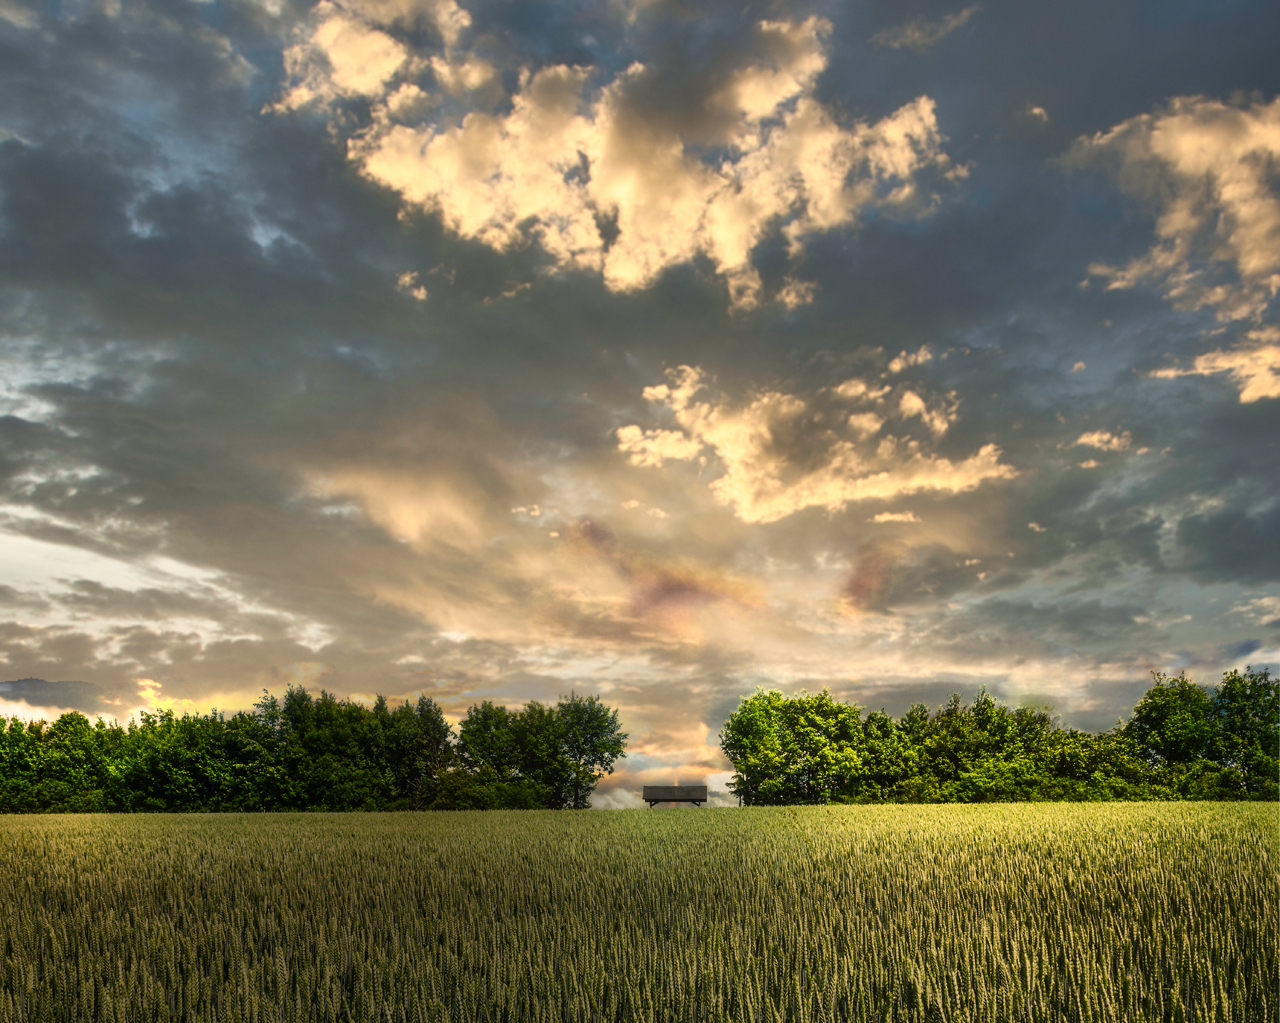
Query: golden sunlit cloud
[554,164]
[1104,440]
[764,479]
[419,509]
[1255,369]
[1207,169]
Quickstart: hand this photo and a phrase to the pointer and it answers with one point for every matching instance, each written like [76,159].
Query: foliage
[551,757]
[1045,913]
[1182,741]
[1175,722]
[792,750]
[1218,744]
[308,753]
[591,741]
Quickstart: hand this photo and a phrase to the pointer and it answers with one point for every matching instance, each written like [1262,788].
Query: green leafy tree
[20,766]
[1247,706]
[808,749]
[256,744]
[485,739]
[546,756]
[419,746]
[71,773]
[1175,723]
[539,742]
[591,742]
[482,789]
[888,758]
[803,749]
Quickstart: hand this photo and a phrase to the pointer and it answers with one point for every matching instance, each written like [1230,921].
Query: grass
[957,913]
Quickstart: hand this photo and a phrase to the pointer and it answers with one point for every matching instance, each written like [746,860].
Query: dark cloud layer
[36,692]
[284,401]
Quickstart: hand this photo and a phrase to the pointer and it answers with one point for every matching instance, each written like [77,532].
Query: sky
[498,349]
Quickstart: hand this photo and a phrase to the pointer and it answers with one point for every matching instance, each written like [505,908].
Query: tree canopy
[314,753]
[1182,741]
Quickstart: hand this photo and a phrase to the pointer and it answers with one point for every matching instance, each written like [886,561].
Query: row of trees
[1182,741]
[306,753]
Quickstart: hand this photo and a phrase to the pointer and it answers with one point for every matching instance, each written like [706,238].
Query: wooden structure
[695,794]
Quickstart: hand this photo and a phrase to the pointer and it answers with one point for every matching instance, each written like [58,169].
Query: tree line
[308,753]
[1182,741]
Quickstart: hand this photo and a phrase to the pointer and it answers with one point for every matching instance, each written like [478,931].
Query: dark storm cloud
[36,692]
[1047,626]
[1233,544]
[1237,651]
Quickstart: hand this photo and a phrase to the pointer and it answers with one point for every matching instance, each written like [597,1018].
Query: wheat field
[1131,912]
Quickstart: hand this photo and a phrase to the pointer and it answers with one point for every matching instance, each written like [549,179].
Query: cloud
[1208,170]
[1255,369]
[1232,543]
[344,50]
[865,424]
[919,34]
[36,692]
[407,282]
[1104,440]
[871,576]
[778,456]
[18,15]
[904,360]
[796,293]
[446,16]
[422,509]
[619,179]
[887,575]
[894,517]
[1259,610]
[658,586]
[341,56]
[937,419]
[653,447]
[213,350]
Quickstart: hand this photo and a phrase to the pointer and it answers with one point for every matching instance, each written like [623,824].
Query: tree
[70,774]
[485,739]
[419,746]
[592,741]
[545,756]
[539,743]
[889,757]
[1247,707]
[808,748]
[801,749]
[752,741]
[1175,723]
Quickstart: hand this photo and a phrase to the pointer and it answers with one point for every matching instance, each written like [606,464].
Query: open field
[999,912]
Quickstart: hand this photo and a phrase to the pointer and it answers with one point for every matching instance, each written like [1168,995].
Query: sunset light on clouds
[494,350]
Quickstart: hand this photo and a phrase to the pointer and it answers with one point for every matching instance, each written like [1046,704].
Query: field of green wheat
[1123,912]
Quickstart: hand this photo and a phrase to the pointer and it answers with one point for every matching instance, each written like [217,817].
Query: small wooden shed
[695,794]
